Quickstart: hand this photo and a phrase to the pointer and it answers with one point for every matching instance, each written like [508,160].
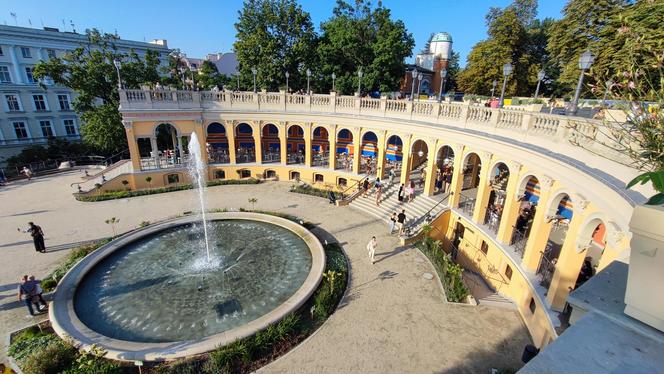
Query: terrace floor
[392,319]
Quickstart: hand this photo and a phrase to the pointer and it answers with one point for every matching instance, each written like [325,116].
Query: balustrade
[161,95]
[479,114]
[398,106]
[545,125]
[370,103]
[424,109]
[510,119]
[450,110]
[320,100]
[345,102]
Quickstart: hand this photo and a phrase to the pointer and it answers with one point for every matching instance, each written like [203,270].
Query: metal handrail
[349,196]
[426,217]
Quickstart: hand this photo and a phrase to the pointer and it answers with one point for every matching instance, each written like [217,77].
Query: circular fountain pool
[154,294]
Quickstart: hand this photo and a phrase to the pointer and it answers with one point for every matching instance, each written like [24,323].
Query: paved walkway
[391,320]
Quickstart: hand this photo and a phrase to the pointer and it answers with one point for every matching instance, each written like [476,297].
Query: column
[483,189]
[283,136]
[512,205]
[200,133]
[307,144]
[332,140]
[258,146]
[457,177]
[405,159]
[134,153]
[380,160]
[155,152]
[230,135]
[18,75]
[569,262]
[540,229]
[430,181]
[357,144]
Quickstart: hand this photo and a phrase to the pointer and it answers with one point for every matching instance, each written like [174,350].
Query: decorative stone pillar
[256,132]
[283,142]
[380,160]
[483,189]
[357,144]
[430,181]
[134,153]
[230,135]
[307,143]
[332,140]
[540,229]
[511,206]
[405,159]
[457,177]
[570,260]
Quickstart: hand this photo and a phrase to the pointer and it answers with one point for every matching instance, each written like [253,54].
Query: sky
[199,28]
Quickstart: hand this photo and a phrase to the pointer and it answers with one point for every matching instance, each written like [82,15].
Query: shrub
[308,190]
[449,272]
[224,358]
[185,366]
[30,342]
[52,359]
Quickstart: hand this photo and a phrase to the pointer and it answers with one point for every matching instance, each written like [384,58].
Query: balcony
[38,140]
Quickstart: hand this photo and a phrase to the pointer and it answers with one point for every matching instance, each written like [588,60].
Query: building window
[40,103]
[29,75]
[2,53]
[508,272]
[532,305]
[342,182]
[294,175]
[484,247]
[173,178]
[64,102]
[4,75]
[50,53]
[70,127]
[270,174]
[25,51]
[46,129]
[13,105]
[219,174]
[244,173]
[318,178]
[20,130]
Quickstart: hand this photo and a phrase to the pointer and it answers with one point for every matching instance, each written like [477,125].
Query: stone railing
[543,125]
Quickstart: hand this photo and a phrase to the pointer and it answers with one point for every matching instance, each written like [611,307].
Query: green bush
[185,366]
[53,359]
[30,341]
[313,191]
[224,358]
[449,272]
[112,195]
[94,365]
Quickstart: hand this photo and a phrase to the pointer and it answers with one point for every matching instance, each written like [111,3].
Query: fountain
[186,286]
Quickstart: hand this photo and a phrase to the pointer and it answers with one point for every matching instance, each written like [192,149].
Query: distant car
[458,96]
[375,94]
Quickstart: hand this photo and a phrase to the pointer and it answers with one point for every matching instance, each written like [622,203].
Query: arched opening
[394,154]
[244,143]
[444,169]
[425,87]
[270,174]
[593,239]
[529,194]
[369,153]
[418,163]
[294,175]
[219,174]
[217,144]
[295,145]
[472,165]
[344,151]
[559,215]
[170,147]
[320,147]
[270,143]
[167,137]
[498,179]
[457,236]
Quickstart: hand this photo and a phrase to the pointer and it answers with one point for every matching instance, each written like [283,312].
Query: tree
[453,70]
[361,37]
[112,221]
[89,70]
[581,28]
[209,77]
[274,36]
[149,180]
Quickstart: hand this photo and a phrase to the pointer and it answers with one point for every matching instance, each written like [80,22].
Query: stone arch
[167,137]
[245,144]
[445,152]
[345,149]
[267,129]
[561,196]
[216,143]
[320,146]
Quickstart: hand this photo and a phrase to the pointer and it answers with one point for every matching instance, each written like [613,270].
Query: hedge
[112,195]
[313,191]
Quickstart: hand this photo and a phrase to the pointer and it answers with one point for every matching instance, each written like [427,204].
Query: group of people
[406,192]
[30,292]
[526,215]
[443,178]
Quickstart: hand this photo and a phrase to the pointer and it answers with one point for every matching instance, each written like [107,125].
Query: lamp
[413,75]
[254,71]
[540,75]
[419,80]
[585,61]
[117,64]
[334,76]
[507,70]
[308,77]
[359,82]
[443,75]
[493,88]
[287,75]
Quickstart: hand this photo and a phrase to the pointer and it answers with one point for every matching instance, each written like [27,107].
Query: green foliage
[49,283]
[112,195]
[209,77]
[222,359]
[55,358]
[362,36]
[308,190]
[274,36]
[89,70]
[449,272]
[29,342]
[331,288]
[656,178]
[92,362]
[56,149]
[184,366]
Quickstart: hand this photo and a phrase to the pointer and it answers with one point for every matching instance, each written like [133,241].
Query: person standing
[38,293]
[37,236]
[401,220]
[371,247]
[27,172]
[391,176]
[379,193]
[400,194]
[393,222]
[448,180]
[365,186]
[411,191]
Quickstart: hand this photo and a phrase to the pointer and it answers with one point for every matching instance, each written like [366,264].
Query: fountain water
[196,170]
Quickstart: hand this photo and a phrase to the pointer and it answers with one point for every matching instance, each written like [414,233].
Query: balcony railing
[38,140]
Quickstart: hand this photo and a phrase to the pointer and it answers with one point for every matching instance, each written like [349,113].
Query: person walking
[27,172]
[27,292]
[400,194]
[393,222]
[39,292]
[379,194]
[391,175]
[401,220]
[37,236]
[411,191]
[371,247]
[365,186]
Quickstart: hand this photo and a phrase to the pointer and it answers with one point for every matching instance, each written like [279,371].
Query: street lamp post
[334,76]
[308,77]
[493,88]
[609,85]
[419,80]
[540,75]
[238,81]
[585,61]
[507,70]
[413,75]
[443,75]
[117,64]
[254,71]
[359,83]
[287,75]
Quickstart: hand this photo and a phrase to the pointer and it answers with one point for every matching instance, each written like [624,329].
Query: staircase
[415,210]
[118,168]
[483,293]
